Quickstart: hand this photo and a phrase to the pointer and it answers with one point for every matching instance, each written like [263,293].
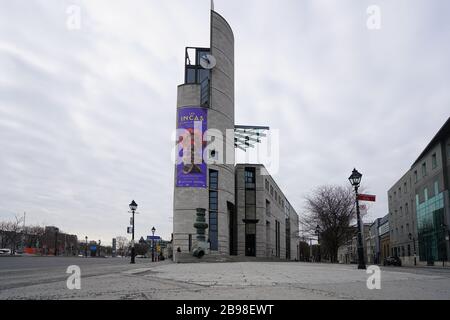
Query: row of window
[401,231]
[400,251]
[406,210]
[213,208]
[424,172]
[424,168]
[278,198]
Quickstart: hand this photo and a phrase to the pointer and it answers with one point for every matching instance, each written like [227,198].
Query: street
[116,278]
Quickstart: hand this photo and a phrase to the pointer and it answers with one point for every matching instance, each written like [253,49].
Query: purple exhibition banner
[191,169]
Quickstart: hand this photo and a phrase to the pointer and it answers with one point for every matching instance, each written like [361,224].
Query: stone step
[216,258]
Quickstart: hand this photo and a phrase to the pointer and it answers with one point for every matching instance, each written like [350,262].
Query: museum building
[247,214]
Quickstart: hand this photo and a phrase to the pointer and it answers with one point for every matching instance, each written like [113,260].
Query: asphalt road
[20,272]
[116,278]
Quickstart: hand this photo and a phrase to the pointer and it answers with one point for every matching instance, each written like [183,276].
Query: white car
[5,252]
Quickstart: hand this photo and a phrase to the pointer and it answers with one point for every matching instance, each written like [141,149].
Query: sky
[88,99]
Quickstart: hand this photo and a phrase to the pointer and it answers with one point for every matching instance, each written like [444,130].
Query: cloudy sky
[86,114]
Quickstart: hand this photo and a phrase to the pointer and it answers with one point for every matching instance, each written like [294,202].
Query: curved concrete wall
[221,117]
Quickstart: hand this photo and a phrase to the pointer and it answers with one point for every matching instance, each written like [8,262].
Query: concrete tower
[207,98]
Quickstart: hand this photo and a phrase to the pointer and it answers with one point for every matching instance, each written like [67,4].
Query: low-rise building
[384,238]
[267,225]
[348,253]
[373,243]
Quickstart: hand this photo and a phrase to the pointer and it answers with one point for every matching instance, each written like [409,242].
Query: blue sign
[153,238]
[93,248]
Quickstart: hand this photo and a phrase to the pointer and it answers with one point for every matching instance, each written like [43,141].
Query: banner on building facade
[191,168]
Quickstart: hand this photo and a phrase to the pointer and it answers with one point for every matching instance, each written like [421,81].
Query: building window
[250,194]
[249,178]
[277,238]
[268,210]
[424,169]
[401,211]
[213,208]
[416,176]
[271,191]
[406,209]
[267,185]
[434,161]
[404,187]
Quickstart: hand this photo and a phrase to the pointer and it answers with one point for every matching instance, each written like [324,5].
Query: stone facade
[277,223]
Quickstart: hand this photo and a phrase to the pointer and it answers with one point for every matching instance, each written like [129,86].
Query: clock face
[208,61]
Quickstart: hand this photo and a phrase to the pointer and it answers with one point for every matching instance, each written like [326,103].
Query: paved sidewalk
[117,279]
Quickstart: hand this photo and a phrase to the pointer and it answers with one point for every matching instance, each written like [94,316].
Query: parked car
[5,252]
[392,261]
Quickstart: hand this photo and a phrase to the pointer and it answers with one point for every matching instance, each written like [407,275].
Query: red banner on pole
[366,197]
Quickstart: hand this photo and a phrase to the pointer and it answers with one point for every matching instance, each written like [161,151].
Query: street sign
[366,197]
[93,248]
[129,229]
[153,238]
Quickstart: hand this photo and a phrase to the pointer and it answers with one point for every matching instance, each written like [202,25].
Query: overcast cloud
[86,115]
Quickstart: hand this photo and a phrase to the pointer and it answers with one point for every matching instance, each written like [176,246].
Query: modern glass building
[431,226]
[419,206]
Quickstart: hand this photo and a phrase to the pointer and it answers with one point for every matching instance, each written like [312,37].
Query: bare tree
[332,209]
[122,245]
[12,232]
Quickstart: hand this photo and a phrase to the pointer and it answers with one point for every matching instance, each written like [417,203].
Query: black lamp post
[153,244]
[85,249]
[414,246]
[318,242]
[98,250]
[133,207]
[355,180]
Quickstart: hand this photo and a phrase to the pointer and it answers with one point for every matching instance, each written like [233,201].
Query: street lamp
[98,250]
[318,241]
[85,249]
[133,207]
[414,246]
[355,180]
[153,244]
